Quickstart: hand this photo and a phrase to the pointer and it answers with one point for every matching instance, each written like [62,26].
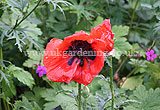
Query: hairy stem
[1,58]
[131,22]
[79,96]
[18,23]
[111,83]
[85,104]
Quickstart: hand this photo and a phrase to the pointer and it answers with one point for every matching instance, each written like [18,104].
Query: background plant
[27,26]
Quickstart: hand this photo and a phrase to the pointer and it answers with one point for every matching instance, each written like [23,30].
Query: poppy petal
[53,53]
[86,73]
[82,77]
[62,72]
[102,31]
[77,36]
[100,44]
[109,44]
[97,64]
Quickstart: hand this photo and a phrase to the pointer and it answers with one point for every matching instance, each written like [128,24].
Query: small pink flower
[151,55]
[41,70]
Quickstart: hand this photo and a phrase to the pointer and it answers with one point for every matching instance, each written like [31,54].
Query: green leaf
[11,90]
[98,21]
[132,82]
[121,46]
[120,30]
[34,58]
[67,102]
[48,94]
[136,49]
[130,108]
[35,96]
[23,76]
[81,10]
[148,99]
[26,105]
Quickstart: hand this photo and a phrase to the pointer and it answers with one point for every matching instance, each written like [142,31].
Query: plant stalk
[111,83]
[1,58]
[85,104]
[18,23]
[131,22]
[79,97]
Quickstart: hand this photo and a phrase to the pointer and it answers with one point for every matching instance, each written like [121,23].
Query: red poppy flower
[78,57]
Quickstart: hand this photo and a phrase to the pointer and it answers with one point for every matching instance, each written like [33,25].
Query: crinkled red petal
[77,36]
[84,75]
[62,72]
[56,62]
[103,32]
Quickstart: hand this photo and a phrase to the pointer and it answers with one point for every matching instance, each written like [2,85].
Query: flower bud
[86,92]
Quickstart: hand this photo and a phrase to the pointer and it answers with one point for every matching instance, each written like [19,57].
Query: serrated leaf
[149,99]
[132,82]
[121,46]
[48,94]
[36,96]
[98,21]
[120,30]
[67,102]
[34,58]
[26,105]
[23,76]
[11,90]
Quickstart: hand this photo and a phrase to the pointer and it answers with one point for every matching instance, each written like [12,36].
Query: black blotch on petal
[81,62]
[91,57]
[71,61]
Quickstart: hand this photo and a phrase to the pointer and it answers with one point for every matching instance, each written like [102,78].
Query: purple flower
[41,70]
[151,55]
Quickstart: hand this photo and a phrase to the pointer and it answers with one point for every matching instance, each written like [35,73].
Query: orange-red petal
[62,72]
[77,36]
[85,74]
[56,62]
[103,32]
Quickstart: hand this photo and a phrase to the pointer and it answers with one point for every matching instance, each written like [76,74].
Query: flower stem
[79,96]
[18,23]
[1,58]
[111,83]
[85,104]
[131,22]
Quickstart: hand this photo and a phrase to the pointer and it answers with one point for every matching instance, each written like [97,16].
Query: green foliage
[29,25]
[26,105]
[34,58]
[23,76]
[120,44]
[120,30]
[132,82]
[35,96]
[148,100]
[98,21]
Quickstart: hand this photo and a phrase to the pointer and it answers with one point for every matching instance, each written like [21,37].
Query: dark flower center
[82,50]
